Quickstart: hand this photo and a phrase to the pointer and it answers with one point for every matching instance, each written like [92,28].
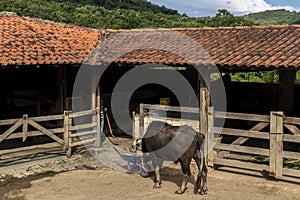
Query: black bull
[161,136]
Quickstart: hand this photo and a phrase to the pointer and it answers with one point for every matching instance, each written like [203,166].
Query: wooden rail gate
[265,136]
[269,136]
[54,132]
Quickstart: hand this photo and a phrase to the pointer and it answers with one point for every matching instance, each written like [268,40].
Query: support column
[99,142]
[95,98]
[287,80]
[62,89]
[204,104]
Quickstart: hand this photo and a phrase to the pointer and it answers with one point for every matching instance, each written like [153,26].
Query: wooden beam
[243,149]
[291,172]
[25,127]
[141,127]
[241,133]
[11,130]
[28,148]
[294,129]
[287,80]
[98,136]
[171,108]
[67,134]
[210,137]
[83,126]
[65,88]
[94,87]
[82,142]
[240,164]
[46,131]
[204,104]
[276,144]
[242,116]
[60,83]
[258,127]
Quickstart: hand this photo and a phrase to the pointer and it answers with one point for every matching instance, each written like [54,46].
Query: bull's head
[136,145]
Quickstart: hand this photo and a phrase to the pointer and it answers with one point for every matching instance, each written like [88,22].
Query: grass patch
[287,162]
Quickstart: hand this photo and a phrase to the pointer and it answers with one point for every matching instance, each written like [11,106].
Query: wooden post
[67,138]
[60,108]
[134,133]
[98,137]
[276,144]
[204,103]
[25,127]
[210,137]
[62,89]
[94,88]
[287,81]
[141,133]
[64,79]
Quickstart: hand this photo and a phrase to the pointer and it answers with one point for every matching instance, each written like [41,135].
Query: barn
[40,62]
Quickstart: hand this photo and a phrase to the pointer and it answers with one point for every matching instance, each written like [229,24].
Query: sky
[198,8]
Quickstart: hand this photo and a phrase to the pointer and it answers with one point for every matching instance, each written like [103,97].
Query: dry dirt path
[110,184]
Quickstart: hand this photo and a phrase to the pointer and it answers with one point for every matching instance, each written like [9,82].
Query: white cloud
[251,5]
[210,7]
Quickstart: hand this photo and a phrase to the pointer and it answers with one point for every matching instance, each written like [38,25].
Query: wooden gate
[269,139]
[55,132]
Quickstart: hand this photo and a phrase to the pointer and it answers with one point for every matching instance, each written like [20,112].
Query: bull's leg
[201,182]
[157,163]
[185,167]
[203,189]
[197,158]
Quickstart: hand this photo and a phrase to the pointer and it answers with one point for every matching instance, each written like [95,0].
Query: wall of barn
[257,98]
[21,89]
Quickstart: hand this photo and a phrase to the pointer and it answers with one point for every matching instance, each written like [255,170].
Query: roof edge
[296,26]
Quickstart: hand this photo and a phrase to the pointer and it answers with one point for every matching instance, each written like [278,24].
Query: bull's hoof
[157,185]
[203,192]
[180,191]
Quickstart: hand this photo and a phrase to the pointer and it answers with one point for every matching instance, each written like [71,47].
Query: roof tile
[255,46]
[29,41]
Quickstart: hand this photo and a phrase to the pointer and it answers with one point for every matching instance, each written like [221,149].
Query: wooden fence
[142,121]
[264,130]
[57,131]
[241,141]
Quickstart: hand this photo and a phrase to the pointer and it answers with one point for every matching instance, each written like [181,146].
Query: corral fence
[270,141]
[247,141]
[142,120]
[33,135]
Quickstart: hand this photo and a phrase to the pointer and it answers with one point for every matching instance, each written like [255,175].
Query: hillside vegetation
[272,17]
[88,13]
[137,5]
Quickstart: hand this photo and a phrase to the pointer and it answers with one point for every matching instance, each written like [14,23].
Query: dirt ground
[109,184]
[82,177]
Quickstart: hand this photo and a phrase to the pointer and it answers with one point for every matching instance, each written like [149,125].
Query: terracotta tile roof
[27,41]
[257,46]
